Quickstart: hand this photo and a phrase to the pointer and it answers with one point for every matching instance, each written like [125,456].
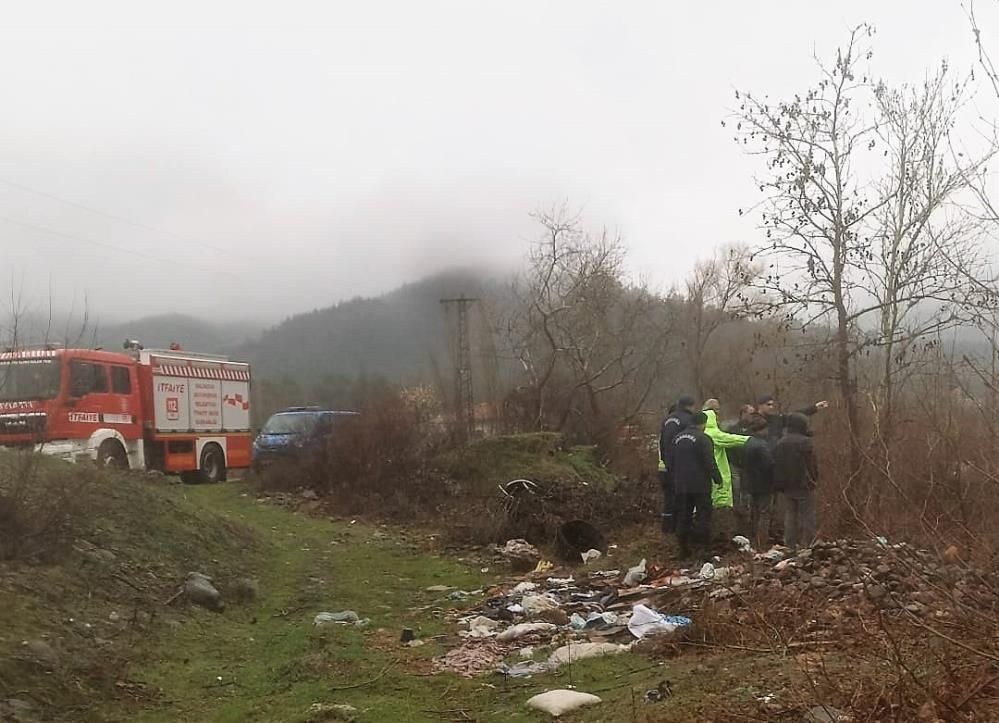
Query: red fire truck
[168,410]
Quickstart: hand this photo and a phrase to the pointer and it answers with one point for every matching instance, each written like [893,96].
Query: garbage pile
[547,622]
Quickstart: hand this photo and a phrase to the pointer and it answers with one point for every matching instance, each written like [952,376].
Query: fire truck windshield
[28,379]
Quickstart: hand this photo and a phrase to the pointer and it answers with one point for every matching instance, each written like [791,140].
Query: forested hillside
[395,336]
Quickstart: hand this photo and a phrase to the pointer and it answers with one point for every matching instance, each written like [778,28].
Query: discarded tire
[574,538]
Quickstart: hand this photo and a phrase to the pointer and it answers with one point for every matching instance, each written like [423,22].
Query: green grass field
[265,660]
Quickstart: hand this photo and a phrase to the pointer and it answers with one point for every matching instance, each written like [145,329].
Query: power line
[113,216]
[145,226]
[113,247]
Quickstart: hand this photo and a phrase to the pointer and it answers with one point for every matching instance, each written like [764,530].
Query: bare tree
[579,332]
[11,321]
[715,292]
[814,207]
[926,246]
[555,262]
[865,218]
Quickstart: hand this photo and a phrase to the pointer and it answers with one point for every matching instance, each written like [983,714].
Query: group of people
[740,468]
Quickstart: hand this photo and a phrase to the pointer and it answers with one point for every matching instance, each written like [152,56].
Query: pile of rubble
[897,576]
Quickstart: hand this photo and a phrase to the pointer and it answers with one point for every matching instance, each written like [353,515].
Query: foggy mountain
[154,332]
[394,335]
[158,331]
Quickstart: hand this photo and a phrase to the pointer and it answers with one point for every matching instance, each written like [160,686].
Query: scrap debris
[595,612]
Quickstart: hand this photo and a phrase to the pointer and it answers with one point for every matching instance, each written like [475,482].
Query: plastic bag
[593,621]
[636,575]
[480,627]
[646,621]
[523,670]
[742,543]
[347,617]
[534,604]
[710,572]
[519,631]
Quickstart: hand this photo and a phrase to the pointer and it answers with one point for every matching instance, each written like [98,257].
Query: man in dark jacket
[758,479]
[676,421]
[740,495]
[693,470]
[796,473]
[769,407]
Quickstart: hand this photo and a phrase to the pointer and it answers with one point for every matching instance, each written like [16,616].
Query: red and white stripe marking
[29,354]
[176,370]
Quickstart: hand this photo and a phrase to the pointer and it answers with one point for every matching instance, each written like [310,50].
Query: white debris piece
[645,621]
[480,627]
[534,604]
[581,651]
[520,549]
[635,575]
[519,631]
[557,702]
[742,543]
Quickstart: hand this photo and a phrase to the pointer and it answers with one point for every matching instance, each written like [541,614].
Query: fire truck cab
[167,410]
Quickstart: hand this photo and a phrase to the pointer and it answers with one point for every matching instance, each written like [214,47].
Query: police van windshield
[28,379]
[290,423]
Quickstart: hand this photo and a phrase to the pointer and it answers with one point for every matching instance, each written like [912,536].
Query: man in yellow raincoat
[721,496]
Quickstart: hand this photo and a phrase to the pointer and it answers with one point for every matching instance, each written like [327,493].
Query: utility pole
[463,399]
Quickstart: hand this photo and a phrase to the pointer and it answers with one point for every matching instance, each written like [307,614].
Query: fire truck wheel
[212,464]
[112,454]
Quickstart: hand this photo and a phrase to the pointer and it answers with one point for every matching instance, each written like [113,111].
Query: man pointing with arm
[769,407]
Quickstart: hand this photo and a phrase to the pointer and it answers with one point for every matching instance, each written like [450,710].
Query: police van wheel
[112,454]
[212,468]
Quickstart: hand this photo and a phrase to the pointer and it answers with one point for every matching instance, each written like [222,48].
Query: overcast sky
[255,159]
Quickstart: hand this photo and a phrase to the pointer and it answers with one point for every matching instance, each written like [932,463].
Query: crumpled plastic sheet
[593,621]
[524,670]
[646,621]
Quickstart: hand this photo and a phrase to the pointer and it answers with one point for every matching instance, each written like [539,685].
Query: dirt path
[266,660]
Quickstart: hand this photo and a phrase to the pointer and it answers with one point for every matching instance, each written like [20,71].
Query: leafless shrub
[42,505]
[376,461]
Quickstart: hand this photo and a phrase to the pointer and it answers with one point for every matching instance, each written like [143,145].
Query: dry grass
[877,661]
[42,507]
